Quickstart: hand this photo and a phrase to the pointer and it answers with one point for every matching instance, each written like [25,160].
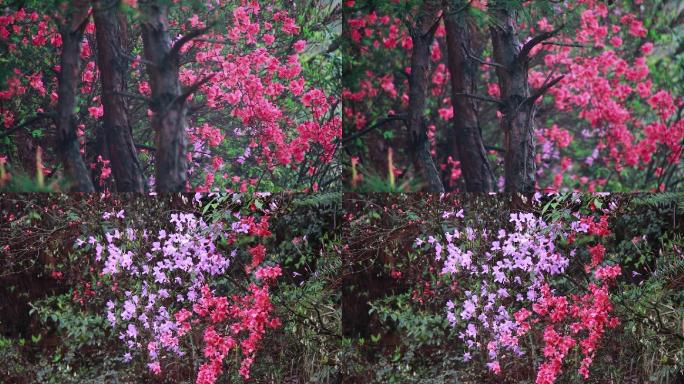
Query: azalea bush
[156,282]
[586,79]
[518,263]
[478,289]
[176,289]
[257,111]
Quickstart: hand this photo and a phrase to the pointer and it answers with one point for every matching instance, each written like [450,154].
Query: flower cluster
[509,265]
[504,289]
[166,270]
[251,82]
[601,89]
[250,313]
[160,290]
[574,315]
[625,121]
[259,95]
[587,315]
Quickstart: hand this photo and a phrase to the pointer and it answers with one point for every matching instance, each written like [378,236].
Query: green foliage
[66,341]
[661,200]
[67,335]
[22,182]
[421,328]
[311,331]
[653,313]
[306,245]
[77,328]
[408,339]
[13,361]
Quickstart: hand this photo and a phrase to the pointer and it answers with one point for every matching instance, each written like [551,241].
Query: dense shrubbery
[511,95]
[392,288]
[169,96]
[570,287]
[173,289]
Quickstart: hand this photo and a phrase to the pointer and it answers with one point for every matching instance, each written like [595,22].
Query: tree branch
[213,41]
[82,25]
[431,32]
[134,96]
[478,97]
[28,122]
[576,45]
[178,45]
[132,58]
[544,88]
[459,10]
[372,127]
[192,109]
[479,60]
[540,38]
[193,88]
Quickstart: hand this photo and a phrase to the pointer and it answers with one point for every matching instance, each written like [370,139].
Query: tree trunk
[100,149]
[518,111]
[422,36]
[111,33]
[71,30]
[467,132]
[167,104]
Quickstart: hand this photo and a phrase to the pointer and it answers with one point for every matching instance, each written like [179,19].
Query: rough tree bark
[71,28]
[422,35]
[517,102]
[168,104]
[99,148]
[476,170]
[518,113]
[111,34]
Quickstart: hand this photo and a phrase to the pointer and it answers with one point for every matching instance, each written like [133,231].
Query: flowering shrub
[511,265]
[263,110]
[606,114]
[54,294]
[505,279]
[159,291]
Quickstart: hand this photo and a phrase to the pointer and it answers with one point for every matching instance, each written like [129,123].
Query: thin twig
[576,45]
[26,123]
[479,97]
[527,48]
[193,88]
[178,45]
[132,95]
[479,60]
[372,127]
[541,91]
